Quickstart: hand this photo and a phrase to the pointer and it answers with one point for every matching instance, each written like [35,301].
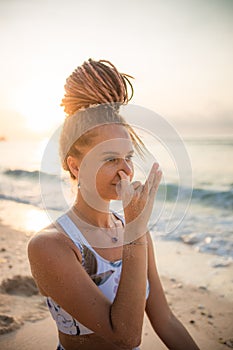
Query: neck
[96,216]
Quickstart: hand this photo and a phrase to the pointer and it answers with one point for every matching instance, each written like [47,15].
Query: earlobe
[73,166]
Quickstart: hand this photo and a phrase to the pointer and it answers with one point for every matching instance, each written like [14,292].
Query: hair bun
[94,83]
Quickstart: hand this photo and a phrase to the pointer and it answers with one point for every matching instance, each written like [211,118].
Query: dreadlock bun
[93,83]
[94,93]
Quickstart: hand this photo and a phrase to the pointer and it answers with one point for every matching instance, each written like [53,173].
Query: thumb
[123,175]
[124,179]
[123,187]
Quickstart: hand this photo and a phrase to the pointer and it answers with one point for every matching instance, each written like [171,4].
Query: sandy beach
[199,288]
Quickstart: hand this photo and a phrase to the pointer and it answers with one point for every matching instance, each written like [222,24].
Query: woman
[97,269]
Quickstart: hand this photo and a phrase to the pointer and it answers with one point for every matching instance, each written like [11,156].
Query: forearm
[127,310]
[175,335]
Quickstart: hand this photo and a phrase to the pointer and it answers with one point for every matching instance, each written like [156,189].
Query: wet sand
[199,289]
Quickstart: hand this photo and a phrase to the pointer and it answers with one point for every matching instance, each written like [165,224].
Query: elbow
[136,341]
[128,342]
[126,334]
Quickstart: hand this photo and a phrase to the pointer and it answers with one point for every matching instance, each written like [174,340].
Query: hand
[138,199]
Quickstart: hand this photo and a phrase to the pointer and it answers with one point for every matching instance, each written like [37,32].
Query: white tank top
[104,273]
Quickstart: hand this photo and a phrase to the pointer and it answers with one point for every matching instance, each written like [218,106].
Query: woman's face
[111,151]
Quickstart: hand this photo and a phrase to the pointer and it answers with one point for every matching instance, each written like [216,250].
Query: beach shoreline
[198,287]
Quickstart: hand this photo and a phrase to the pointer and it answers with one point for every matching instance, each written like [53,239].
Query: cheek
[104,174]
[102,177]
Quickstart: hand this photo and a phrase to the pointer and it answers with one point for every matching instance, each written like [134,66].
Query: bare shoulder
[49,251]
[48,235]
[48,242]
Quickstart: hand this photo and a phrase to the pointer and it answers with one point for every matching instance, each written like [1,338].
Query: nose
[126,167]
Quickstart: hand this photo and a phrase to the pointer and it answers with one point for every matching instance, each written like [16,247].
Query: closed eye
[114,159]
[111,160]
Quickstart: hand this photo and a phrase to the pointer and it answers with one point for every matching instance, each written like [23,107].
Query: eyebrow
[116,153]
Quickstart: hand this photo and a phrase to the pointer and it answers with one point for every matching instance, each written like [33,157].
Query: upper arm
[157,307]
[59,273]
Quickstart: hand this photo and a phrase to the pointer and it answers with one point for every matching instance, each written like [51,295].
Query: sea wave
[222,199]
[21,173]
[208,230]
[170,192]
[22,200]
[36,202]
[202,196]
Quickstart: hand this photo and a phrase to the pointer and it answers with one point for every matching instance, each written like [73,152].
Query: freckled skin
[105,168]
[83,298]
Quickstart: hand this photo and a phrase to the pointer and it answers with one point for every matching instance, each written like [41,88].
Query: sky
[180,53]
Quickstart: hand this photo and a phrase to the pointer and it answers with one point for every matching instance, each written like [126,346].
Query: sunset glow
[178,52]
[39,106]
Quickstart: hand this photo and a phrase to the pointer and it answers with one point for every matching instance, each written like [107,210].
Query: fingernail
[122,174]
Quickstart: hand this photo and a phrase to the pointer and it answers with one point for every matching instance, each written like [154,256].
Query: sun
[40,107]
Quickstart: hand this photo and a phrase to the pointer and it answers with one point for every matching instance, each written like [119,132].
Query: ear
[73,165]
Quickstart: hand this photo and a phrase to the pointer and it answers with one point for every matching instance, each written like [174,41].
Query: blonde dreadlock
[95,82]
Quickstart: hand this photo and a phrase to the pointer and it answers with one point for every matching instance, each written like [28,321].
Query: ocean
[194,203]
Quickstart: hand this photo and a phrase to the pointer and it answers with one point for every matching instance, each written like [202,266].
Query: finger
[123,175]
[156,182]
[124,181]
[150,180]
[136,184]
[139,190]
